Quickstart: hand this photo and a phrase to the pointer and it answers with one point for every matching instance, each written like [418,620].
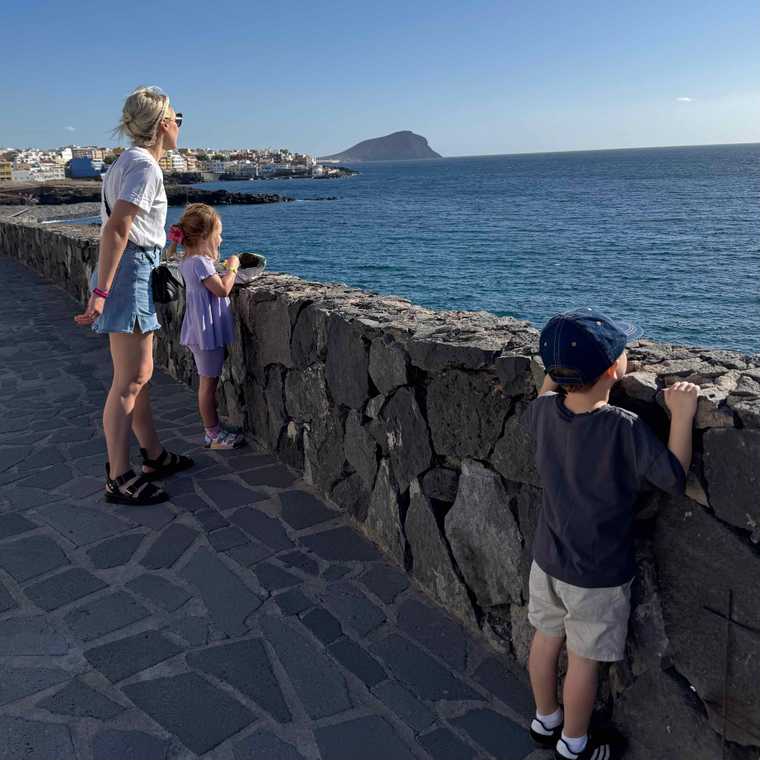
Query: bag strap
[103,196]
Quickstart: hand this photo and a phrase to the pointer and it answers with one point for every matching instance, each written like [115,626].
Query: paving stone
[13,525]
[189,501]
[31,740]
[435,630]
[17,683]
[301,561]
[266,529]
[413,712]
[226,494]
[353,608]
[125,657]
[264,745]
[12,455]
[26,498]
[193,630]
[228,600]
[420,671]
[182,705]
[335,572]
[115,551]
[40,459]
[385,582]
[317,680]
[210,519]
[274,475]
[27,558]
[154,517]
[72,435]
[241,462]
[352,657]
[81,701]
[499,680]
[50,478]
[128,745]
[250,554]
[64,588]
[82,525]
[157,589]
[442,744]
[292,602]
[227,538]
[112,612]
[81,488]
[245,665]
[323,625]
[31,636]
[169,546]
[302,510]
[348,741]
[502,737]
[342,545]
[7,602]
[272,577]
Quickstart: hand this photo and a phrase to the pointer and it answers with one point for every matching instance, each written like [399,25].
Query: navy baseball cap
[579,346]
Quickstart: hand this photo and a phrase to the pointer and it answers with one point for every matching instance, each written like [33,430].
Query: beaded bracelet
[100,293]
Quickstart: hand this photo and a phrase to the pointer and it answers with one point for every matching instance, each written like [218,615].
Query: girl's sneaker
[225,440]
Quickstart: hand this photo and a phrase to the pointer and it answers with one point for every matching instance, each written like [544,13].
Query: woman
[133,212]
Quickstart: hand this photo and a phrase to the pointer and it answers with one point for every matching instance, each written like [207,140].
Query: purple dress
[208,320]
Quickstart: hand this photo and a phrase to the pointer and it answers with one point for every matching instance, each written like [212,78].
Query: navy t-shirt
[593,467]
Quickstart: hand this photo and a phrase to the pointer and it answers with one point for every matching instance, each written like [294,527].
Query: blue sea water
[667,237]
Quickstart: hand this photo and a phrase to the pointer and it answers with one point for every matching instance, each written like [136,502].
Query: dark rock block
[303,510]
[324,452]
[31,636]
[323,625]
[159,590]
[81,701]
[383,523]
[352,657]
[245,665]
[347,363]
[272,329]
[261,526]
[13,525]
[306,393]
[484,536]
[353,608]
[515,375]
[404,704]
[64,588]
[227,538]
[292,602]
[110,613]
[348,741]
[309,336]
[51,478]
[320,686]
[169,546]
[514,454]
[274,476]
[408,437]
[361,449]
[341,545]
[35,741]
[125,657]
[272,577]
[733,477]
[442,744]
[440,483]
[435,630]
[466,413]
[387,364]
[300,561]
[7,602]
[226,494]
[210,519]
[115,552]
[352,495]
[264,744]
[27,558]
[82,525]
[385,582]
[182,704]
[501,737]
[128,745]
[154,517]
[12,455]
[493,675]
[18,683]
[193,630]
[228,600]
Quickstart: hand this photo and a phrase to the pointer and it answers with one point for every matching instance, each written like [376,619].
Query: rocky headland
[398,146]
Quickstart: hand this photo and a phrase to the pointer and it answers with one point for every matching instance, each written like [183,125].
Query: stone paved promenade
[245,619]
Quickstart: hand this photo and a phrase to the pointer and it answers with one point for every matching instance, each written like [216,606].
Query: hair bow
[176,235]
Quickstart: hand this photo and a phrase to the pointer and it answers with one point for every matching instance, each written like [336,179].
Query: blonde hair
[143,111]
[197,223]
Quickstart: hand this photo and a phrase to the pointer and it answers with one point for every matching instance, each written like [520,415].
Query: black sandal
[132,489]
[167,463]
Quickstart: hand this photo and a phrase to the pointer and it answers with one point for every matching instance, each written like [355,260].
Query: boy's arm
[681,399]
[549,386]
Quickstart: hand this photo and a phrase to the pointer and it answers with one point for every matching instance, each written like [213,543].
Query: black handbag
[165,279]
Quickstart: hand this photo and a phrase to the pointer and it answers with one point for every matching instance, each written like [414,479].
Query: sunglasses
[177,119]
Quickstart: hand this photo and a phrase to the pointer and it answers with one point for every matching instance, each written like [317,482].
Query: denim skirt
[130,299]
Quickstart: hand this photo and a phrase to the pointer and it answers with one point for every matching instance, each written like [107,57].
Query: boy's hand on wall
[681,399]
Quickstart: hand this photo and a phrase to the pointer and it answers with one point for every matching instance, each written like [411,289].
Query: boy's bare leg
[542,666]
[579,694]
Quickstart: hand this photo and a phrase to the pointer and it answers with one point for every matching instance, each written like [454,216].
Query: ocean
[668,238]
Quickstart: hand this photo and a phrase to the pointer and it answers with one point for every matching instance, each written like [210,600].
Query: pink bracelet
[100,293]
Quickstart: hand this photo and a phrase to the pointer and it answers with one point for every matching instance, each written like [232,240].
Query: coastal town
[184,165]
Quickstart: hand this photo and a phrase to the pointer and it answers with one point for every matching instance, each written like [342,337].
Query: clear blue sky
[317,75]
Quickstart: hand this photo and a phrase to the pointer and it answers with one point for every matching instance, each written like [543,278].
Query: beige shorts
[595,620]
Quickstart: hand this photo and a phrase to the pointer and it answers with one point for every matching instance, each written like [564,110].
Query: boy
[593,459]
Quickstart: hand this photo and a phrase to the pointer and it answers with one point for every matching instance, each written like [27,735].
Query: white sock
[576,745]
[545,724]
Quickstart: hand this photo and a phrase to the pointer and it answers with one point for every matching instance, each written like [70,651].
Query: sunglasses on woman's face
[178,119]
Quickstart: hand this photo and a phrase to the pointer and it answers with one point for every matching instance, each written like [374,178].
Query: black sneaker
[544,740]
[598,747]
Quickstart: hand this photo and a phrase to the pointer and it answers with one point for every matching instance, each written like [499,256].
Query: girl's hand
[233,262]
[92,312]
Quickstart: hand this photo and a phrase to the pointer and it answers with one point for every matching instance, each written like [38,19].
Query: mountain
[394,147]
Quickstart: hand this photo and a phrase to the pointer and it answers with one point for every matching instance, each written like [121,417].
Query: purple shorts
[209,363]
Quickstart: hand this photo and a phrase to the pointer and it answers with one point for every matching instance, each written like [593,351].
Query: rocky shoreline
[64,193]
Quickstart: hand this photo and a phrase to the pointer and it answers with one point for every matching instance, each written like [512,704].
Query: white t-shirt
[136,177]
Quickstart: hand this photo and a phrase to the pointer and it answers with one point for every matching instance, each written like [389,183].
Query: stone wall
[408,419]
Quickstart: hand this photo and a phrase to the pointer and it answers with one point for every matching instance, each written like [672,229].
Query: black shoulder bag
[165,279]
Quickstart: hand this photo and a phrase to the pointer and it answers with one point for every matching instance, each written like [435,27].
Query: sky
[317,76]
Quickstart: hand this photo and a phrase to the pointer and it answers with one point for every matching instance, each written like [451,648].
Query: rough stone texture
[169,547]
[116,551]
[82,701]
[348,741]
[433,567]
[440,483]
[442,744]
[383,523]
[347,364]
[466,413]
[64,588]
[27,558]
[361,449]
[514,454]
[128,745]
[31,740]
[484,536]
[125,657]
[413,712]
[264,744]
[500,736]
[306,393]
[387,364]
[109,613]
[18,683]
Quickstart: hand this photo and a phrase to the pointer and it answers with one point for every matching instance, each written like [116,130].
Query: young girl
[207,326]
